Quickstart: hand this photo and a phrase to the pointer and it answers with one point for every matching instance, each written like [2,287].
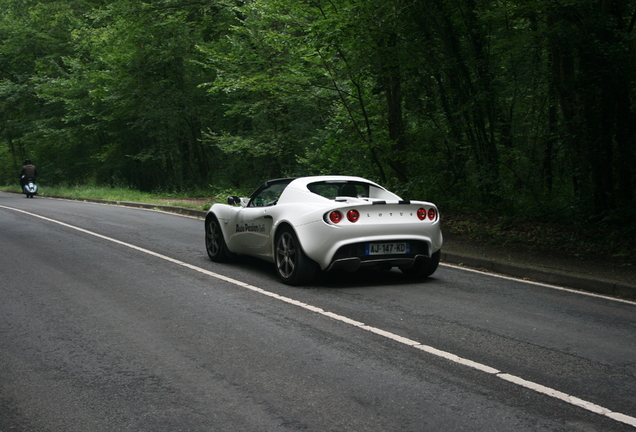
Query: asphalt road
[113,319]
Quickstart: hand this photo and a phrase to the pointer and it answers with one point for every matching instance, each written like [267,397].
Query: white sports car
[326,222]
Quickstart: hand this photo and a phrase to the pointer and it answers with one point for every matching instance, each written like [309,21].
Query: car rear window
[333,189]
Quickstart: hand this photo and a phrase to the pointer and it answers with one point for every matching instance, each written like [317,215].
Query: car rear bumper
[353,256]
[355,263]
[333,247]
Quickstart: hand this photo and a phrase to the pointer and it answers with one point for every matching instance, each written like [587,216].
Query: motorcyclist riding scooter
[27,179]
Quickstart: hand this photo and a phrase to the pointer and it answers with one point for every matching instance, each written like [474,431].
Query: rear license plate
[387,248]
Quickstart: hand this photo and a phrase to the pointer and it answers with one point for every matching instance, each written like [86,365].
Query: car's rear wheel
[214,241]
[292,265]
[423,268]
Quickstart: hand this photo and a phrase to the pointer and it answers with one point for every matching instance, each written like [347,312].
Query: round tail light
[421,213]
[353,215]
[335,216]
[432,214]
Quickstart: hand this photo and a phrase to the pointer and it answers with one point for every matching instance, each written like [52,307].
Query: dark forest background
[524,107]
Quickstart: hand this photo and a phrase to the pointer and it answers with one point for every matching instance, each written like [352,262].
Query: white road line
[543,284]
[589,406]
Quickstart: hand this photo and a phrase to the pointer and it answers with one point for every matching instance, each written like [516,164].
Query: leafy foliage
[524,107]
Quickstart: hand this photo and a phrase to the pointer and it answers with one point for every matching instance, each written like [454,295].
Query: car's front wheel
[423,268]
[214,241]
[292,265]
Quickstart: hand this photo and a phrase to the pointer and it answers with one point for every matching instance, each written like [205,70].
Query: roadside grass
[194,201]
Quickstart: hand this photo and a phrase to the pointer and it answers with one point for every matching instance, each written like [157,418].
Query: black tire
[423,268]
[214,242]
[292,265]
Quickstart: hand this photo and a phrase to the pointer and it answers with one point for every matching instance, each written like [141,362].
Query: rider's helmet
[27,161]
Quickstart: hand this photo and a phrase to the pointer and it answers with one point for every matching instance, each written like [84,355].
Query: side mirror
[233,200]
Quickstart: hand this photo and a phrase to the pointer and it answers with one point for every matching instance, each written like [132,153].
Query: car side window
[268,196]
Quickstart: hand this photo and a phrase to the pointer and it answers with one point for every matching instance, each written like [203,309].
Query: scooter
[30,188]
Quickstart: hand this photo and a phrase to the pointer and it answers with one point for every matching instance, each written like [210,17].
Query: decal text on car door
[250,228]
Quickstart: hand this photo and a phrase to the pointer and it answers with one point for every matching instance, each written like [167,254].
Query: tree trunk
[391,81]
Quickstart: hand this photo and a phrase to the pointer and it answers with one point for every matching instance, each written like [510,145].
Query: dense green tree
[33,38]
[131,91]
[516,106]
[593,55]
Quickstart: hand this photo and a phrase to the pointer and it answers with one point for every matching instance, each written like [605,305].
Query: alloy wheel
[286,255]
